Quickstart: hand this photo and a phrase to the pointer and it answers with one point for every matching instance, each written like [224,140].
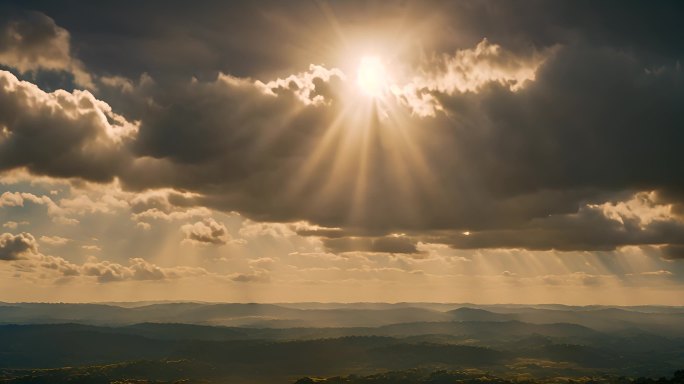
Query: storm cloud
[515,130]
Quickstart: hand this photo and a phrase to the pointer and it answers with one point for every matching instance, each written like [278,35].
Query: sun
[371,77]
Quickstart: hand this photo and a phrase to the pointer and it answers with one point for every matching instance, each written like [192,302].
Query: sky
[470,151]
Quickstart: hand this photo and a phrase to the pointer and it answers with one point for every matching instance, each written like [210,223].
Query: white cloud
[252,229]
[178,214]
[11,199]
[22,250]
[468,70]
[205,232]
[642,208]
[14,224]
[303,85]
[54,240]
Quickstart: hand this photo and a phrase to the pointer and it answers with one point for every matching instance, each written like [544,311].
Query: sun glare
[371,76]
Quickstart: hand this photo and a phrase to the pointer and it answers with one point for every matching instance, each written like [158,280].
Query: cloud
[137,269]
[59,212]
[206,232]
[673,251]
[144,226]
[661,272]
[251,229]
[553,133]
[175,214]
[60,134]
[388,244]
[588,229]
[468,70]
[22,250]
[642,207]
[32,41]
[508,151]
[15,247]
[83,204]
[310,87]
[14,225]
[162,200]
[262,262]
[54,240]
[11,199]
[56,264]
[256,276]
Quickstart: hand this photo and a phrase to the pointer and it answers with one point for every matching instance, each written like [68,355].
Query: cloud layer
[530,127]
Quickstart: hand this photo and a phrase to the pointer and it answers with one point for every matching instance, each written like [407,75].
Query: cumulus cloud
[259,276]
[206,232]
[163,200]
[642,207]
[60,134]
[32,41]
[60,212]
[15,247]
[310,87]
[23,251]
[468,70]
[137,269]
[10,199]
[252,229]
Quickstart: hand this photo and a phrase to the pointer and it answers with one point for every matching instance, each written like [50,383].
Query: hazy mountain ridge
[660,320]
[361,339]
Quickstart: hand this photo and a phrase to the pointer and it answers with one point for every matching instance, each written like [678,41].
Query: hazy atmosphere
[341,192]
[488,152]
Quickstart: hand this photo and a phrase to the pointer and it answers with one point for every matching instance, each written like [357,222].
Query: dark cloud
[673,252]
[501,158]
[15,247]
[593,118]
[586,230]
[259,276]
[271,37]
[387,244]
[60,134]
[599,121]
[31,42]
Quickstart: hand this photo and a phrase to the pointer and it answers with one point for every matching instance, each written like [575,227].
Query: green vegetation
[469,377]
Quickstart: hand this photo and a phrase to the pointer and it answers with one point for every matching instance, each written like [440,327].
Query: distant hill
[664,321]
[476,314]
[264,315]
[550,349]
